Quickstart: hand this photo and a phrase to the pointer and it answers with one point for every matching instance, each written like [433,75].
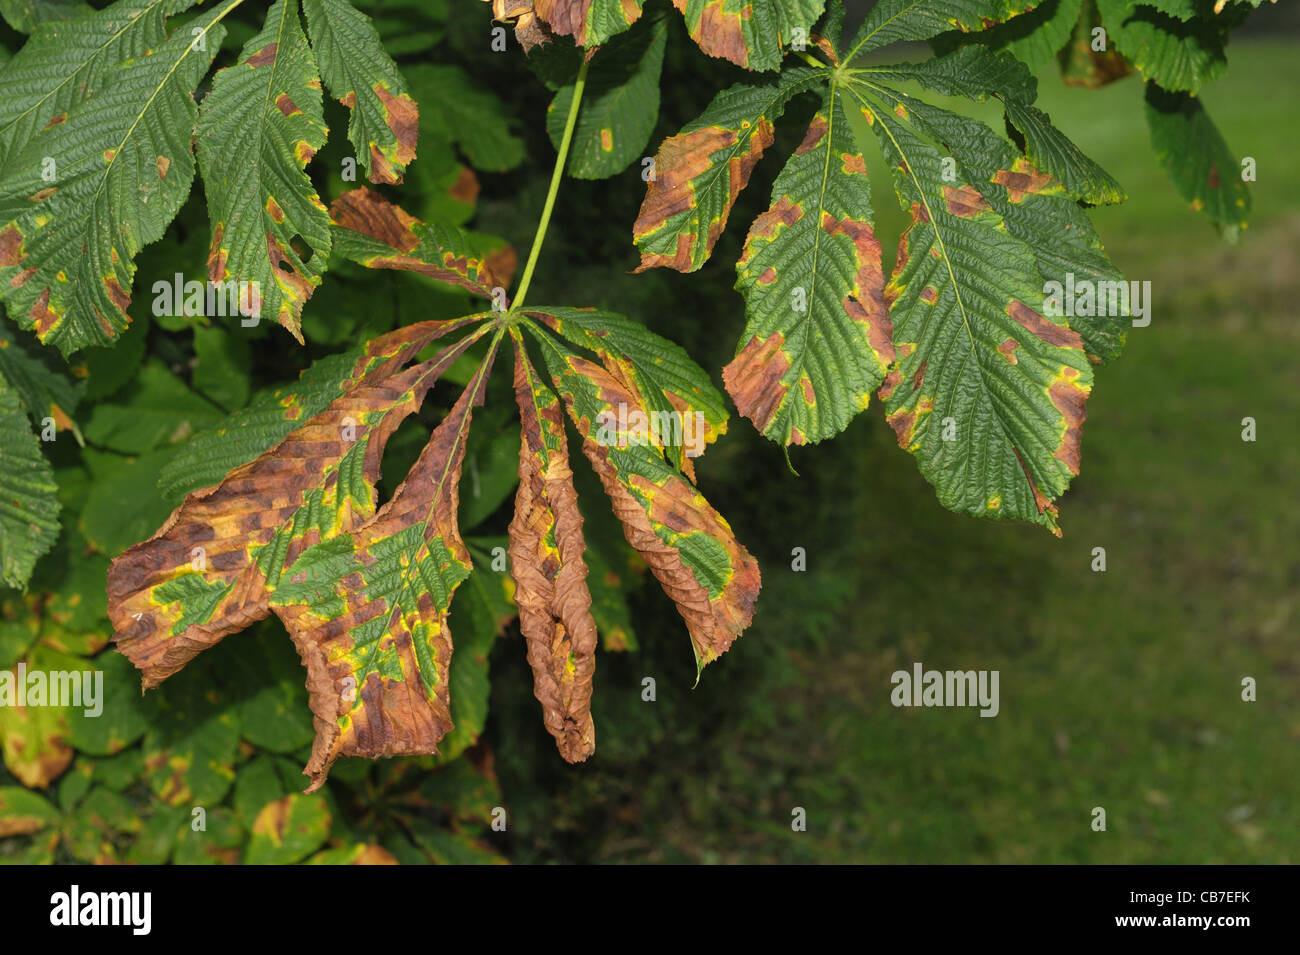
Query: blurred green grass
[1118,689]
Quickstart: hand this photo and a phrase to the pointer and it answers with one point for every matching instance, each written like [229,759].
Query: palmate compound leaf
[258,127]
[749,33]
[986,391]
[366,594]
[81,198]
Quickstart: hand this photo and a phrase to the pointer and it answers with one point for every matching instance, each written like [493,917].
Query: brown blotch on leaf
[816,130]
[1214,175]
[216,256]
[367,212]
[1008,350]
[163,165]
[569,17]
[1070,400]
[1060,336]
[402,117]
[964,202]
[263,56]
[904,421]
[785,212]
[11,246]
[719,32]
[43,194]
[866,304]
[286,105]
[466,187]
[929,294]
[919,378]
[891,382]
[42,318]
[120,297]
[1020,183]
[1041,500]
[753,379]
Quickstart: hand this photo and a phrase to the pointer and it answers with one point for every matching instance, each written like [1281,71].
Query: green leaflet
[699,172]
[124,716]
[359,74]
[1181,55]
[1036,210]
[893,20]
[45,393]
[1193,152]
[1089,58]
[191,745]
[817,336]
[65,64]
[977,73]
[26,15]
[287,831]
[620,105]
[666,379]
[29,507]
[1034,37]
[223,360]
[85,195]
[258,128]
[986,392]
